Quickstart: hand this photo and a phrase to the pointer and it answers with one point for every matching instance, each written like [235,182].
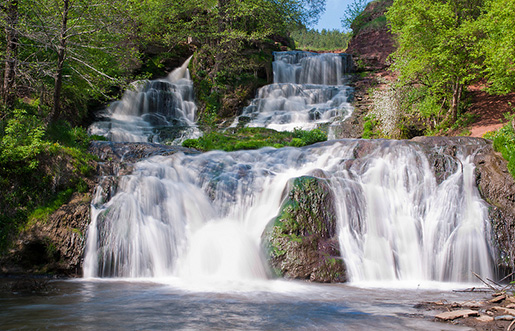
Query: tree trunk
[11,34]
[456,97]
[222,12]
[61,56]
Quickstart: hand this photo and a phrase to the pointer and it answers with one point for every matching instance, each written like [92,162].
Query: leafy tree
[228,64]
[9,19]
[498,47]
[320,40]
[437,49]
[61,46]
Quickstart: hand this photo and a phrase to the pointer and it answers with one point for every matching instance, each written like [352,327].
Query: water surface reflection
[117,305]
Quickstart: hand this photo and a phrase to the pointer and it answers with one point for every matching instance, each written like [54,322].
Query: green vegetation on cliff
[39,169]
[357,18]
[504,142]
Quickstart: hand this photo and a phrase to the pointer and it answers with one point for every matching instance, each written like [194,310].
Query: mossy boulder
[302,242]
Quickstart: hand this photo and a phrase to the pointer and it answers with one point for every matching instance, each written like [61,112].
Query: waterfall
[152,110]
[202,216]
[308,90]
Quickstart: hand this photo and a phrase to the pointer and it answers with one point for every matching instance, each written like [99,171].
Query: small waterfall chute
[151,111]
[309,90]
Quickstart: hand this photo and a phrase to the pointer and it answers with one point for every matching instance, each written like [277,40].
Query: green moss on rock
[301,243]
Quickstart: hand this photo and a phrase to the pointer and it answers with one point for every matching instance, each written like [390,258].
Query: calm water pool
[274,305]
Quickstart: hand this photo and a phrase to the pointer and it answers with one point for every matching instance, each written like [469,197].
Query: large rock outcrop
[497,187]
[302,242]
[54,245]
[372,42]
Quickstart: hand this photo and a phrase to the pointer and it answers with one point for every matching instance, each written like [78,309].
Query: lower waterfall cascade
[202,216]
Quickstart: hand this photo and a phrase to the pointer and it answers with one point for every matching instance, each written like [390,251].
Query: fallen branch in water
[481,279]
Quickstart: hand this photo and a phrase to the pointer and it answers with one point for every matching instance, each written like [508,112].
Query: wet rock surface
[497,187]
[302,243]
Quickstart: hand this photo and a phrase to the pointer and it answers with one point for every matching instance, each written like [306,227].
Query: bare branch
[92,68]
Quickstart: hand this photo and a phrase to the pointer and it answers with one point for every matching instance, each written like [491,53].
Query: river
[274,305]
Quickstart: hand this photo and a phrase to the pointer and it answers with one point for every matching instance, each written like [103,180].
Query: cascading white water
[309,89]
[202,216]
[149,107]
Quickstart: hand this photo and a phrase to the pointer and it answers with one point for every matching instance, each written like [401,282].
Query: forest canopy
[63,59]
[446,45]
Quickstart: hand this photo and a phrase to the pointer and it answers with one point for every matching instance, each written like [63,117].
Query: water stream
[201,217]
[308,90]
[144,305]
[180,236]
[152,111]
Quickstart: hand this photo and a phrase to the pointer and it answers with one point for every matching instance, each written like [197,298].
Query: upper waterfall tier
[309,90]
[300,67]
[151,110]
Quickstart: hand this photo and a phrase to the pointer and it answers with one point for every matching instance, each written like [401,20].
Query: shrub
[504,142]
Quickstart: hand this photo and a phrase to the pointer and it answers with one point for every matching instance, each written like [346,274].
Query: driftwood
[499,309]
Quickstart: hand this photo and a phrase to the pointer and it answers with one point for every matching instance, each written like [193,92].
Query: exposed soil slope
[488,110]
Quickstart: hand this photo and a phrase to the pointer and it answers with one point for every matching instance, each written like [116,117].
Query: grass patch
[255,138]
[41,213]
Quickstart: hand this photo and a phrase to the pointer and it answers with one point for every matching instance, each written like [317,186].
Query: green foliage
[444,46]
[504,142]
[39,169]
[63,133]
[22,142]
[366,15]
[369,127]
[498,48]
[324,40]
[375,24]
[255,138]
[41,213]
[309,137]
[83,43]
[352,12]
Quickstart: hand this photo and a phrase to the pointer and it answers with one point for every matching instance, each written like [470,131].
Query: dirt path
[489,110]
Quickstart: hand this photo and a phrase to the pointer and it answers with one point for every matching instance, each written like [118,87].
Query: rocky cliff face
[372,42]
[498,188]
[54,245]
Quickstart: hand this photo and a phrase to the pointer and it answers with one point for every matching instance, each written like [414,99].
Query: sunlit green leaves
[437,49]
[498,47]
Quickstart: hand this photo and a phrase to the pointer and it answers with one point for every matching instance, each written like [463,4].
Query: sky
[334,10]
